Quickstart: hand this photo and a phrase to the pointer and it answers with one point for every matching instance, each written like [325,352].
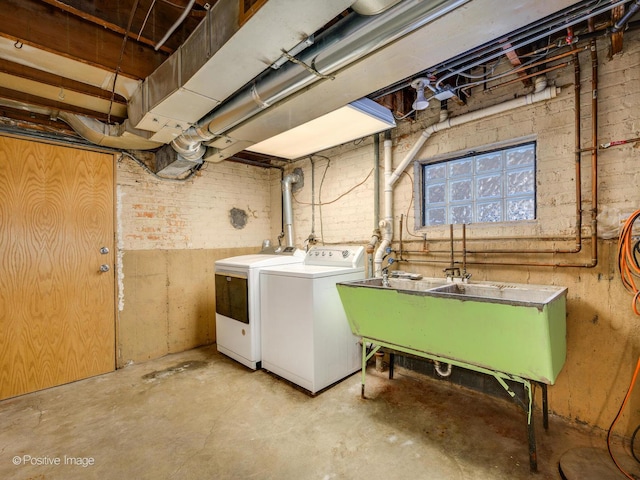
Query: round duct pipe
[344,43]
[372,7]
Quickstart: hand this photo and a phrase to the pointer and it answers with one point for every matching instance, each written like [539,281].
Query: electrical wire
[615,420]
[324,174]
[628,264]
[629,268]
[633,439]
[339,196]
[119,65]
[406,224]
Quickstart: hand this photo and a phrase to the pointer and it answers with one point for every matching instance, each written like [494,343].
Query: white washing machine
[238,302]
[306,337]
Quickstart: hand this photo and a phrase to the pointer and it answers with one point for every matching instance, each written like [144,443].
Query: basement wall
[169,236]
[603,334]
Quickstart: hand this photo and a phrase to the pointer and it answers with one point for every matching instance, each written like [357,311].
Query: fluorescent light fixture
[356,120]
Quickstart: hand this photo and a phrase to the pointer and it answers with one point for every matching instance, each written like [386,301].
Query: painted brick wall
[155,213]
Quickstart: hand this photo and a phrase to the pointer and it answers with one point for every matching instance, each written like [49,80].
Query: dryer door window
[231,297]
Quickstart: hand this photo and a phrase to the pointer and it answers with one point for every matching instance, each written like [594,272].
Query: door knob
[104,267]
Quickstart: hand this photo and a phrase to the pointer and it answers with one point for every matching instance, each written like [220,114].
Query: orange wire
[624,402]
[628,270]
[626,260]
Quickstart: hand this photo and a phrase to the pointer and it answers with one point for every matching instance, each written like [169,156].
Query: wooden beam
[67,7]
[33,121]
[514,59]
[40,76]
[616,38]
[48,28]
[60,106]
[155,16]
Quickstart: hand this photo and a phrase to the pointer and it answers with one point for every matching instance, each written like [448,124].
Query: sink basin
[506,327]
[501,293]
[401,283]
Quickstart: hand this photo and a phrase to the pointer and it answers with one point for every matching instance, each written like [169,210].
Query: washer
[306,337]
[238,302]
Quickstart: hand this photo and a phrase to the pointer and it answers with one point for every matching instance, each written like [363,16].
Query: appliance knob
[345,253]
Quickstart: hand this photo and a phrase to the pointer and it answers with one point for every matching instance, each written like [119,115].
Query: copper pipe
[577,136]
[594,185]
[594,144]
[614,143]
[524,77]
[578,180]
[451,242]
[401,222]
[509,264]
[525,67]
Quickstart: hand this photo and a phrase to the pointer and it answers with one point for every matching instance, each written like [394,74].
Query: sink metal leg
[528,407]
[545,406]
[533,454]
[365,358]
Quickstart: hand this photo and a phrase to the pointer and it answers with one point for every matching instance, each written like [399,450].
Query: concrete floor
[198,415]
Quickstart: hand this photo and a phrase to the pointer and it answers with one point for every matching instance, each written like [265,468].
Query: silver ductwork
[121,136]
[367,54]
[190,102]
[348,41]
[224,52]
[373,7]
[287,207]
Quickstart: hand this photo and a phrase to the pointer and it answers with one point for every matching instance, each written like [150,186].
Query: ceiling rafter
[52,104]
[65,6]
[50,29]
[41,76]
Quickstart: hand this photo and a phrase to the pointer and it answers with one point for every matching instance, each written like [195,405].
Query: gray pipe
[620,24]
[350,40]
[186,11]
[287,208]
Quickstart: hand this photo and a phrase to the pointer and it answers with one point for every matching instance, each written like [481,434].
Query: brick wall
[194,214]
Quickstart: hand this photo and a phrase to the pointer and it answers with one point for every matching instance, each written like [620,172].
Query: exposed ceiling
[89,57]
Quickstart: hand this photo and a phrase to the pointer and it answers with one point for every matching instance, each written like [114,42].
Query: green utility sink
[511,328]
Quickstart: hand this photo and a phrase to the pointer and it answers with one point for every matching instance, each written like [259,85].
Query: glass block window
[495,186]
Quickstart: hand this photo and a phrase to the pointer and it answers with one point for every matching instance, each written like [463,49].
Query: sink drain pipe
[391,178]
[443,373]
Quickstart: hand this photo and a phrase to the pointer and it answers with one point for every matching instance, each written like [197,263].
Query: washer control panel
[336,256]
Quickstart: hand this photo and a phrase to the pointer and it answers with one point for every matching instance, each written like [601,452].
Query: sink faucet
[451,273]
[455,275]
[385,277]
[385,272]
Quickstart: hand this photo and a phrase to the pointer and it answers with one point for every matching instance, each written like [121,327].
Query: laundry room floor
[200,415]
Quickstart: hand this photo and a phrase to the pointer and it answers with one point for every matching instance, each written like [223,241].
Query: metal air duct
[348,41]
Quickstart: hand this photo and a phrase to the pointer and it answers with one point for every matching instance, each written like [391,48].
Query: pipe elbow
[443,373]
[290,179]
[188,149]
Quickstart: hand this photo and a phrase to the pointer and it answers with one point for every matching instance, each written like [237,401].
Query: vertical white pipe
[386,225]
[287,208]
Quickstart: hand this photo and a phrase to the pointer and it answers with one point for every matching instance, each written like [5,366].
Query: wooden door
[57,309]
